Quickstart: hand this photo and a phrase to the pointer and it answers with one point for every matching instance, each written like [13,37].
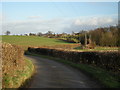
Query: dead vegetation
[15,69]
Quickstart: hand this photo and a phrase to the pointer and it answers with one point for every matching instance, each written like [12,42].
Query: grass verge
[105,78]
[18,77]
[97,49]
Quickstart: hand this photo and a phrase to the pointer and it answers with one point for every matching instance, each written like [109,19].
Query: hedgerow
[107,60]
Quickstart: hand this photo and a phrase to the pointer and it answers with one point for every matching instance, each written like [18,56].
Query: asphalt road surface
[52,74]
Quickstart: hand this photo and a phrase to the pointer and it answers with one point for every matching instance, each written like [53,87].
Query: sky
[59,17]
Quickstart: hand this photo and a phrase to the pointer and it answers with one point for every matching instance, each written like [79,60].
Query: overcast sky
[26,17]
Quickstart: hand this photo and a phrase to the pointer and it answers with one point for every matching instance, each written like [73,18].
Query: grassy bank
[107,79]
[17,78]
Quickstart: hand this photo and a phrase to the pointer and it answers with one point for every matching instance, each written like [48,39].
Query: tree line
[107,36]
[104,36]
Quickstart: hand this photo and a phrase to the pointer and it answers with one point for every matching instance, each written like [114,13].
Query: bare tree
[49,33]
[7,32]
[32,34]
[39,34]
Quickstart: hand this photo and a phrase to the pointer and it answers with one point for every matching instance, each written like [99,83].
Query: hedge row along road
[15,68]
[51,74]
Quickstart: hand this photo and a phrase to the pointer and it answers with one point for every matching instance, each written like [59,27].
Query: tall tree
[7,32]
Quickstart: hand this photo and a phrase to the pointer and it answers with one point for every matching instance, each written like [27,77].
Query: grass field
[32,41]
[37,41]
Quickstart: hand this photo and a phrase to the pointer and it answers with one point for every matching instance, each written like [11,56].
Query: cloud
[95,21]
[35,26]
[89,23]
[3,18]
[58,25]
[34,17]
[0,17]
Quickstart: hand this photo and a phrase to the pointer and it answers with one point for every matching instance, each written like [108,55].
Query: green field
[32,41]
[37,41]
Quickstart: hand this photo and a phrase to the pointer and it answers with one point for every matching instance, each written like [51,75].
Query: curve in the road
[52,74]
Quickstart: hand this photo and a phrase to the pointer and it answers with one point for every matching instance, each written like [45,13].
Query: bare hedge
[106,60]
[12,60]
[12,57]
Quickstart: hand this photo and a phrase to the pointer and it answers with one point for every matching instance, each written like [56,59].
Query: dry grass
[15,69]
